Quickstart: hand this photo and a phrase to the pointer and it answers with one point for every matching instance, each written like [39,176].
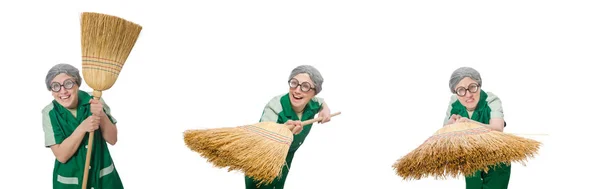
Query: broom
[259,150]
[106,42]
[462,149]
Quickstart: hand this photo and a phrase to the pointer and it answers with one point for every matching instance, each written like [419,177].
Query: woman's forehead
[465,82]
[303,77]
[61,77]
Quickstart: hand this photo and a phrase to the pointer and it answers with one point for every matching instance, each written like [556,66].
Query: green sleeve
[495,105]
[52,135]
[320,101]
[453,99]
[272,110]
[107,111]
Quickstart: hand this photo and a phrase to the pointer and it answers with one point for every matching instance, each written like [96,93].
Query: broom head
[258,150]
[106,42]
[462,149]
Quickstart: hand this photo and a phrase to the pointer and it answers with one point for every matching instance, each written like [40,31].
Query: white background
[386,66]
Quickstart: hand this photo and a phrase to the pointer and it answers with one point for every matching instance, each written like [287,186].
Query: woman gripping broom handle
[296,126]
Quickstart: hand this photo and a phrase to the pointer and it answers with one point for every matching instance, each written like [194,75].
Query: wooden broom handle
[304,123]
[88,156]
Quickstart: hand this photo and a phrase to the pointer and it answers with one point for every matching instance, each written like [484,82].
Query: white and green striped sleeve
[319,100]
[272,110]
[49,139]
[495,105]
[107,110]
[453,99]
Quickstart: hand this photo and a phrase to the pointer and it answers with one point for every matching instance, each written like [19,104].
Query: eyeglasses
[472,88]
[68,84]
[304,86]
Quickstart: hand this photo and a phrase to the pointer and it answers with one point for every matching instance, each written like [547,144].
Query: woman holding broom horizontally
[299,104]
[66,120]
[471,104]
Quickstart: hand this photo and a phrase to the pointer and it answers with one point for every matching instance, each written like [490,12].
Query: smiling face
[468,93]
[64,90]
[302,89]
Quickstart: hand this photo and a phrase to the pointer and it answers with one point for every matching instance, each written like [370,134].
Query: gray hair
[62,68]
[312,72]
[461,73]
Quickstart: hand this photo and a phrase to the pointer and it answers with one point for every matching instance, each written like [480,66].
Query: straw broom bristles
[106,42]
[259,150]
[462,149]
[252,149]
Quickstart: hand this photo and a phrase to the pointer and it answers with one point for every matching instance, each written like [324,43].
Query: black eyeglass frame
[67,84]
[301,85]
[469,88]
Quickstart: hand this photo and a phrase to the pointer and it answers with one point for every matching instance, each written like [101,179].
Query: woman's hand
[463,119]
[325,114]
[97,108]
[294,126]
[90,124]
[453,119]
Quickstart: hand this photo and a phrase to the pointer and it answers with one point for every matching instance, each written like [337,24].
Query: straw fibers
[258,150]
[462,149]
[106,42]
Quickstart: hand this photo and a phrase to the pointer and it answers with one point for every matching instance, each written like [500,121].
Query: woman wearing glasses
[299,104]
[471,104]
[66,120]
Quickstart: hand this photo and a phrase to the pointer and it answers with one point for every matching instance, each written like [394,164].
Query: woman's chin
[298,105]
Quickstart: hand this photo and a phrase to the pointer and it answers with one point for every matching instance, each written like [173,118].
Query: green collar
[481,112]
[83,99]
[288,111]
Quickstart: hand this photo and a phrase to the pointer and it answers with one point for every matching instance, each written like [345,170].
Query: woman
[66,120]
[299,104]
[471,104]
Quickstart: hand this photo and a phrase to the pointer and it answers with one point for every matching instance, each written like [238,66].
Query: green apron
[312,108]
[498,176]
[69,175]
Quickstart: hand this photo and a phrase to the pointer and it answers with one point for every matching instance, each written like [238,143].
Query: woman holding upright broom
[66,122]
[299,104]
[471,104]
